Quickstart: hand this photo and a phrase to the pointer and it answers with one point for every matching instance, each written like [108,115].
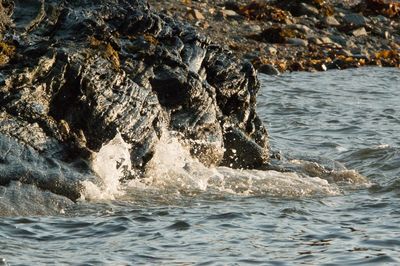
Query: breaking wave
[172,171]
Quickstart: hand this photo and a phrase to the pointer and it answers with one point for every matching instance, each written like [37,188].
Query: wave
[173,171]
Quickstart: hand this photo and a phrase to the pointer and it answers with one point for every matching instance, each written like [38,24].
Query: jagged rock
[84,71]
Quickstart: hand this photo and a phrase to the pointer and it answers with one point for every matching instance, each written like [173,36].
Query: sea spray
[111,163]
[172,170]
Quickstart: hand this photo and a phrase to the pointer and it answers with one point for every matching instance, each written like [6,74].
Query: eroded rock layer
[76,73]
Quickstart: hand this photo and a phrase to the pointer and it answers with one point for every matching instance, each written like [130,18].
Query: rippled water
[188,214]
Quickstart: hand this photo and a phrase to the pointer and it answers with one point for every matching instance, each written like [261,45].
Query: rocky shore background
[306,35]
[80,77]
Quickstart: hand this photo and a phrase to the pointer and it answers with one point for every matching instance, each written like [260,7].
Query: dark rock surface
[75,73]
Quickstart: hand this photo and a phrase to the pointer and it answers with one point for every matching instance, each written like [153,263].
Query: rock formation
[75,73]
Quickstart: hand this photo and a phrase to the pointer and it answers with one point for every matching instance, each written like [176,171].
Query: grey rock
[300,28]
[87,70]
[297,42]
[355,19]
[339,40]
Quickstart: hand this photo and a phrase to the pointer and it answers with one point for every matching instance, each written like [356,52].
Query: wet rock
[83,72]
[269,70]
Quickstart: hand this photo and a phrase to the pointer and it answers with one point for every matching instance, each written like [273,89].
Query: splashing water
[110,164]
[173,170]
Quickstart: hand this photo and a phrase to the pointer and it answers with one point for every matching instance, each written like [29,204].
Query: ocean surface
[338,132]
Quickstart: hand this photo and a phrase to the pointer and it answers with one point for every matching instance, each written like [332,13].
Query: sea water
[346,123]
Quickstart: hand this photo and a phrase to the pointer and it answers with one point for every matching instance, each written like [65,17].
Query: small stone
[345,52]
[271,50]
[339,40]
[253,28]
[359,53]
[315,40]
[196,14]
[355,19]
[359,32]
[309,10]
[299,27]
[297,42]
[227,13]
[382,19]
[331,21]
[325,40]
[269,70]
[202,24]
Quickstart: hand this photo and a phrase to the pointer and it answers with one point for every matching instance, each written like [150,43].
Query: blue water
[349,117]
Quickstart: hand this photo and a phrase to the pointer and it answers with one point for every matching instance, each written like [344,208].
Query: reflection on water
[185,213]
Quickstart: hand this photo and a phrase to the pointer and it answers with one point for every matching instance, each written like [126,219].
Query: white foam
[271,183]
[172,167]
[382,146]
[341,149]
[173,170]
[110,164]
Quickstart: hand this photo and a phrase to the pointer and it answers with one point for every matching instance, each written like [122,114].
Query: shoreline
[308,35]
